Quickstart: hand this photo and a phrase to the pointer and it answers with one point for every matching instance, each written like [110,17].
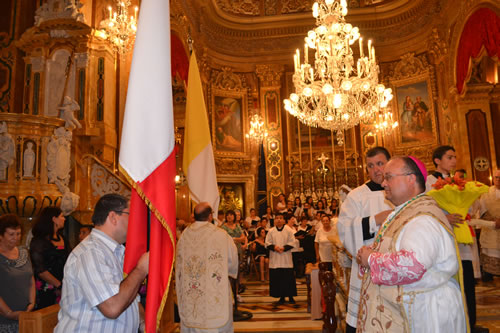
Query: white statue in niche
[29,158]
[67,113]
[7,151]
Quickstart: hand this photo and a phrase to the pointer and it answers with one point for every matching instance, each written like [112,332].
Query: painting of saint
[228,124]
[415,113]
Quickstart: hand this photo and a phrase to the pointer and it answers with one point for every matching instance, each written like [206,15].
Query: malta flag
[198,156]
[147,155]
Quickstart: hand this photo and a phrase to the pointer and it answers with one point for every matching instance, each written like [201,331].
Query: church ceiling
[270,30]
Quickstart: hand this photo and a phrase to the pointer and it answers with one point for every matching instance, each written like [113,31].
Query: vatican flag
[198,159]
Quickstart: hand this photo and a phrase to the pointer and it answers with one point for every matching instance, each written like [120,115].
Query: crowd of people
[408,272]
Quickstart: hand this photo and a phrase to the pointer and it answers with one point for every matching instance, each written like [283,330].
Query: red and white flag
[147,155]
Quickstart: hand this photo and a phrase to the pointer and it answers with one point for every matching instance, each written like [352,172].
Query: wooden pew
[40,321]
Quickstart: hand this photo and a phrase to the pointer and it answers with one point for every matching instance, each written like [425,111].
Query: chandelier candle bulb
[306,54]
[369,49]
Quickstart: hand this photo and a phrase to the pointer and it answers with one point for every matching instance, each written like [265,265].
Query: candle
[373,54]
[359,67]
[306,53]
[109,8]
[369,49]
[360,47]
[311,72]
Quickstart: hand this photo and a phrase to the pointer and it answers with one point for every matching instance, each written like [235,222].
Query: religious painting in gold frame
[415,113]
[229,114]
[231,196]
[321,139]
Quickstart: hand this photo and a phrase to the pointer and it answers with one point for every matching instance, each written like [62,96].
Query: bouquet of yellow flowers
[456,195]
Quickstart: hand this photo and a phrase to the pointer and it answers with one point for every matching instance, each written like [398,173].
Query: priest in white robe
[410,281]
[206,258]
[361,213]
[280,240]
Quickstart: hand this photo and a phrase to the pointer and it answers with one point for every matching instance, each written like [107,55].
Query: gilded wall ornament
[240,7]
[104,182]
[234,166]
[437,47]
[226,80]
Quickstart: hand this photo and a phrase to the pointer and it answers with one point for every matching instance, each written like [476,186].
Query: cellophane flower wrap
[456,195]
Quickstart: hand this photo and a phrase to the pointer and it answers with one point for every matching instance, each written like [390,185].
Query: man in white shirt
[362,212]
[95,297]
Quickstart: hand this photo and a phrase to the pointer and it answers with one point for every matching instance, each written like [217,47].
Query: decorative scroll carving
[270,75]
[409,66]
[270,7]
[7,151]
[240,7]
[295,6]
[227,80]
[437,47]
[103,182]
[235,166]
[58,9]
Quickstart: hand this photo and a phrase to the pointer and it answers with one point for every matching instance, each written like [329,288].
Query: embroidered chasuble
[206,257]
[356,214]
[412,285]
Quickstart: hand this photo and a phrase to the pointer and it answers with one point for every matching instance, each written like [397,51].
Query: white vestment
[280,238]
[360,203]
[437,305]
[206,257]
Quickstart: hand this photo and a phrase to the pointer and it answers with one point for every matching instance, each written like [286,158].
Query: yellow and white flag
[198,157]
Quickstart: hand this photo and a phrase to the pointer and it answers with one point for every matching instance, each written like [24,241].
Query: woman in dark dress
[49,251]
[261,254]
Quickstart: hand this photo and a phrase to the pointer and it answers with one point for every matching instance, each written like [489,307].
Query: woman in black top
[49,251]
[261,254]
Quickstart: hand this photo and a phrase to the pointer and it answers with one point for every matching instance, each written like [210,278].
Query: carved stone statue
[28,160]
[56,9]
[7,151]
[67,113]
[59,158]
[69,203]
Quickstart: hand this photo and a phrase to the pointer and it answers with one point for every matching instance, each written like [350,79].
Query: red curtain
[481,30]
[180,61]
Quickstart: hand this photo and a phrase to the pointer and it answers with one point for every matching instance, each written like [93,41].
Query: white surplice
[280,238]
[360,203]
[206,257]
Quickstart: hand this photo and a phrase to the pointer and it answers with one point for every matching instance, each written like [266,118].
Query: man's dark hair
[203,214]
[412,168]
[10,221]
[378,150]
[439,153]
[108,203]
[279,214]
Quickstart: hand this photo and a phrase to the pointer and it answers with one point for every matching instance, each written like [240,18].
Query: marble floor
[288,318]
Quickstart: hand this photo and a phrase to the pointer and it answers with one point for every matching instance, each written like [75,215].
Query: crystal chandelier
[334,92]
[119,28]
[257,131]
[385,123]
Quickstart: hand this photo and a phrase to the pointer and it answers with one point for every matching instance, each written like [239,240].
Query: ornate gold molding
[227,80]
[233,166]
[270,75]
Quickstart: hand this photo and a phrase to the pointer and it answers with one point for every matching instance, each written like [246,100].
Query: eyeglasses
[121,212]
[388,177]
